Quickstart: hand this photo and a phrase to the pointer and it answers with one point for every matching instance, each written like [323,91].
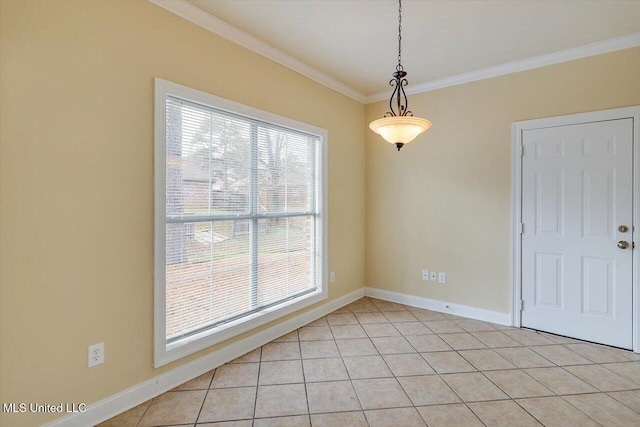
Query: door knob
[623,245]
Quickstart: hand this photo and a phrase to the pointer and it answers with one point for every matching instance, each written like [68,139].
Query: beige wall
[443,202]
[76,183]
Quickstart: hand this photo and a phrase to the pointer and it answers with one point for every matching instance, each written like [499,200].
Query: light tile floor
[375,363]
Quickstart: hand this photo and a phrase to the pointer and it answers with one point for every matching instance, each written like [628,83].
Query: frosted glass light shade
[399,129]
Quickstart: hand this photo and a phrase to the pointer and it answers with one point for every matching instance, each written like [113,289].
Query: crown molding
[605,46]
[194,14]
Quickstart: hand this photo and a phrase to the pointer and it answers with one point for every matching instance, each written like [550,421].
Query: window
[239,224]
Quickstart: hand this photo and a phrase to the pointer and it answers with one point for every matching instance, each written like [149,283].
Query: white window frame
[163,353]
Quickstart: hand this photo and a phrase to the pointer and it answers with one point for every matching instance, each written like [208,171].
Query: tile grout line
[396,377]
[381,356]
[437,374]
[205,397]
[255,399]
[143,414]
[526,373]
[304,378]
[621,402]
[458,321]
[481,372]
[366,420]
[580,410]
[351,379]
[616,373]
[493,349]
[383,361]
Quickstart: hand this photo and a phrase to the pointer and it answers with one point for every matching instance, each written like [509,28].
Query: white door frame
[517,129]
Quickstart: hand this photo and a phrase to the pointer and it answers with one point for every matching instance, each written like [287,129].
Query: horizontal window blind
[241,216]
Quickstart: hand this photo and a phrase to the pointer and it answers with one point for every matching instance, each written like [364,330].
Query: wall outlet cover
[434,276]
[96,354]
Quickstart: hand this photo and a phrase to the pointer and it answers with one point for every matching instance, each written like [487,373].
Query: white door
[576,202]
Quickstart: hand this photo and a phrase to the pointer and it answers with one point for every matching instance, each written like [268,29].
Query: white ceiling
[355,42]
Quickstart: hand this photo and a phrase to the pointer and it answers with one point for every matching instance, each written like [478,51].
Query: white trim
[516,200]
[194,14]
[516,220]
[118,403]
[164,354]
[598,48]
[206,20]
[159,256]
[127,399]
[440,306]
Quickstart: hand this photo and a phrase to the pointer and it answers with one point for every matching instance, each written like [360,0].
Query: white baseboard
[127,399]
[441,306]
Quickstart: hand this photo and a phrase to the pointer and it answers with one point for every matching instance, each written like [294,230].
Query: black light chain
[399,67]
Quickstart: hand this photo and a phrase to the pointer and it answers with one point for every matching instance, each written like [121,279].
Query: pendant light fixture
[398,126]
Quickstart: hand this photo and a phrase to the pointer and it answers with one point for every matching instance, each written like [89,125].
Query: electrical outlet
[434,276]
[425,274]
[442,277]
[333,276]
[96,354]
